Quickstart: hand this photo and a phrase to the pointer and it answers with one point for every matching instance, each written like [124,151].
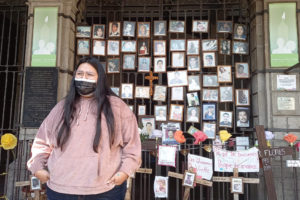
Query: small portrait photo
[161,187]
[143,47]
[242,97]
[177,45]
[114,29]
[141,110]
[177,94]
[128,29]
[210,95]
[176,112]
[159,47]
[242,116]
[200,26]
[239,47]
[142,92]
[192,130]
[224,74]
[160,28]
[194,83]
[240,32]
[113,47]
[99,47]
[210,81]
[160,93]
[35,183]
[224,26]
[148,125]
[193,99]
[83,47]
[143,30]
[160,113]
[209,45]
[129,46]
[127,91]
[242,70]
[128,61]
[176,26]
[209,59]
[192,114]
[178,59]
[168,138]
[210,130]
[193,47]
[159,64]
[237,185]
[177,78]
[209,111]
[226,94]
[189,179]
[98,31]
[144,64]
[113,65]
[193,63]
[116,90]
[225,47]
[83,31]
[225,119]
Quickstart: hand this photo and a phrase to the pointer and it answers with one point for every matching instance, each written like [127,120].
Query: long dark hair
[103,105]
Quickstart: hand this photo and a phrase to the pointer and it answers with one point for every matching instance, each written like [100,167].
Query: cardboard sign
[201,166]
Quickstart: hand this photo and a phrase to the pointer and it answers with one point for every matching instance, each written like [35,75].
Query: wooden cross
[151,78]
[266,154]
[236,180]
[187,189]
[37,192]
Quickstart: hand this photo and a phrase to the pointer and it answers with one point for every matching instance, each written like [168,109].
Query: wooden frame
[125,43]
[188,47]
[221,26]
[225,123]
[35,183]
[238,121]
[209,115]
[157,112]
[144,119]
[208,132]
[237,36]
[190,77]
[193,99]
[226,73]
[181,61]
[100,48]
[242,75]
[224,48]
[189,112]
[172,29]
[213,79]
[162,96]
[155,48]
[179,42]
[86,34]
[197,62]
[209,45]
[147,30]
[157,32]
[189,182]
[239,47]
[116,33]
[174,118]
[126,96]
[113,69]
[138,91]
[95,32]
[114,42]
[132,31]
[146,60]
[139,110]
[209,59]
[173,92]
[162,60]
[237,185]
[146,47]
[227,91]
[238,98]
[211,92]
[83,43]
[200,26]
[178,79]
[133,64]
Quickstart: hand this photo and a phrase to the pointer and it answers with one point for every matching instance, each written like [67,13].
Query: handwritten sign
[277,151]
[244,160]
[201,166]
[167,155]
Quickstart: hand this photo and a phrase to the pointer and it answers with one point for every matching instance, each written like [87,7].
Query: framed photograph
[193,63]
[193,99]
[83,47]
[210,81]
[178,59]
[189,179]
[225,119]
[239,47]
[129,61]
[177,45]
[210,130]
[224,74]
[128,29]
[194,83]
[114,29]
[242,116]
[176,112]
[193,47]
[143,47]
[129,46]
[116,90]
[160,28]
[177,78]
[240,32]
[193,114]
[144,64]
[210,45]
[143,29]
[242,70]
[210,95]
[160,64]
[99,31]
[99,47]
[226,93]
[168,131]
[177,94]
[142,92]
[141,110]
[224,26]
[148,123]
[200,26]
[209,111]
[176,26]
[160,93]
[167,155]
[242,97]
[160,113]
[161,185]
[159,47]
[113,65]
[237,185]
[127,91]
[192,130]
[225,47]
[113,47]
[35,183]
[209,59]
[83,31]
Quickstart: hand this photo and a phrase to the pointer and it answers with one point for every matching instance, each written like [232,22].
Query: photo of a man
[160,28]
[114,29]
[129,29]
[225,119]
[242,115]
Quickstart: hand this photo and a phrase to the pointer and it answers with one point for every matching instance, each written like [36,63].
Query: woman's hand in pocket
[42,175]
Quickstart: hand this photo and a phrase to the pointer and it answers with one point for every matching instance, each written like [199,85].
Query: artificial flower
[8,141]
[269,135]
[179,137]
[298,146]
[224,135]
[290,138]
[200,137]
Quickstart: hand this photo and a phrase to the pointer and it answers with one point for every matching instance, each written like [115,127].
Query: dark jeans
[117,193]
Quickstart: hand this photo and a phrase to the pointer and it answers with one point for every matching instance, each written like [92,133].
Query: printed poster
[286,82]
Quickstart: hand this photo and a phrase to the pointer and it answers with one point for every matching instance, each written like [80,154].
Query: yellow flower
[8,141]
[224,135]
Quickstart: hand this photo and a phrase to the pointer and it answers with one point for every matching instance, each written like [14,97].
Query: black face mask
[85,87]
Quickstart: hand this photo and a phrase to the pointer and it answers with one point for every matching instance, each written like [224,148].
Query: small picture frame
[200,26]
[83,47]
[210,81]
[242,70]
[193,99]
[176,112]
[177,78]
[194,83]
[99,31]
[224,26]
[83,31]
[160,28]
[99,47]
[193,47]
[177,45]
[113,47]
[242,117]
[160,93]
[114,29]
[242,97]
[35,183]
[168,131]
[116,90]
[141,110]
[237,186]
[209,59]
[193,63]
[148,123]
[225,47]
[193,114]
[192,130]
[142,92]
[160,64]
[226,94]
[160,113]
[159,47]
[113,65]
[209,129]
[129,61]
[224,74]
[143,30]
[240,48]
[144,64]
[143,47]
[225,119]
[210,95]
[210,45]
[178,59]
[189,179]
[128,46]
[161,185]
[127,91]
[177,94]
[240,32]
[176,26]
[129,29]
[209,111]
